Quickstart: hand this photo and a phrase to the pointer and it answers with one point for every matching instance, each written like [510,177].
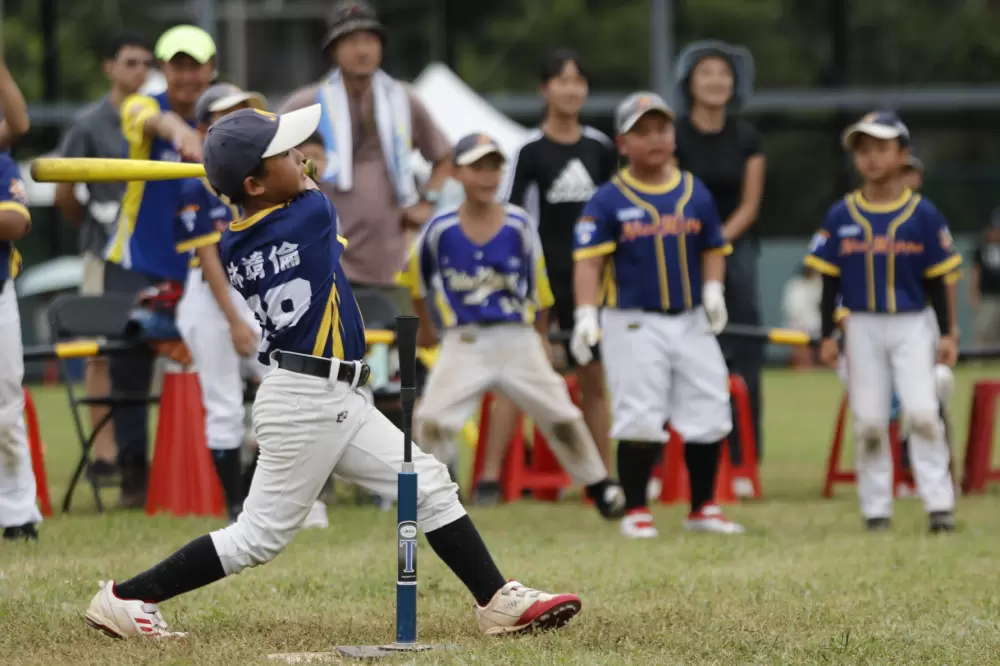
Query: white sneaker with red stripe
[121,618]
[710,519]
[517,609]
[638,524]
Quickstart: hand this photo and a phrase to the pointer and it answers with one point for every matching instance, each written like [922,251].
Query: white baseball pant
[205,331]
[17,480]
[895,350]
[664,368]
[509,358]
[307,428]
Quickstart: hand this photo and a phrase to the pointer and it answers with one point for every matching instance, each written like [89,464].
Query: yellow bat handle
[107,170]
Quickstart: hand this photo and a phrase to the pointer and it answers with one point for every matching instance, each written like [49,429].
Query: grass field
[805,585]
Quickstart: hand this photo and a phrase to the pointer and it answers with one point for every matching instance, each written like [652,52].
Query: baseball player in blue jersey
[484,262]
[310,417]
[18,513]
[215,323]
[652,236]
[887,251]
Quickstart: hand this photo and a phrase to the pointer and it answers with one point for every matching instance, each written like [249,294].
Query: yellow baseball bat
[108,170]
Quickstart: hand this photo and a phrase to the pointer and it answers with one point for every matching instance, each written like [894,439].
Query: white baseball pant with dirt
[17,480]
[664,368]
[509,358]
[205,331]
[898,350]
[308,427]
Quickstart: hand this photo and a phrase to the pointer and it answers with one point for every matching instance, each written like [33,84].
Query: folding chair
[74,317]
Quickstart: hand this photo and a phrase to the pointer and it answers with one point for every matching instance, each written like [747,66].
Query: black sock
[227,466]
[193,566]
[595,491]
[702,461]
[636,461]
[248,472]
[459,545]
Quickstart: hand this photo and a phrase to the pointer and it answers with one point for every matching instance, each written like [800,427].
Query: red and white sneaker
[517,609]
[638,524]
[122,618]
[710,519]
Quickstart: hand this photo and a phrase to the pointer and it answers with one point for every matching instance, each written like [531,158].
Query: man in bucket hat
[370,125]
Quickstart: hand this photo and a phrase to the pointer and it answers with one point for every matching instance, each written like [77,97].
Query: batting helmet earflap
[350,16]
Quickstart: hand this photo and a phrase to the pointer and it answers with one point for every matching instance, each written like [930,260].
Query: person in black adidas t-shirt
[552,175]
[725,152]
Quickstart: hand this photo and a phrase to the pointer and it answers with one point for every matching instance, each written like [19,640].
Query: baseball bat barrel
[406,505]
[109,170]
[777,336]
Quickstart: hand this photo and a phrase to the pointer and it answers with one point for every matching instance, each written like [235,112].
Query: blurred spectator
[984,284]
[97,133]
[369,122]
[800,303]
[714,80]
[141,252]
[913,173]
[553,175]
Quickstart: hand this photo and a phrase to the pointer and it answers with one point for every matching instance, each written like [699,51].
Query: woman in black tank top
[714,80]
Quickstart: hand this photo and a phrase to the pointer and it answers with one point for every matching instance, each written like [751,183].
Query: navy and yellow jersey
[143,238]
[285,262]
[201,218]
[882,253]
[503,280]
[14,198]
[655,236]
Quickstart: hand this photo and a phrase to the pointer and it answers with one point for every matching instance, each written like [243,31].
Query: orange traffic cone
[37,449]
[182,479]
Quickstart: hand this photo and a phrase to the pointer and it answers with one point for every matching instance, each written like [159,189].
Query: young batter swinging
[310,417]
[654,234]
[887,251]
[484,261]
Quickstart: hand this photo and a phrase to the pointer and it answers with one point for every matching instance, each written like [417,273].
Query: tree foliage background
[498,46]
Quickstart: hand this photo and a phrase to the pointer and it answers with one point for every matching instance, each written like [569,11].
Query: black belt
[672,312]
[320,367]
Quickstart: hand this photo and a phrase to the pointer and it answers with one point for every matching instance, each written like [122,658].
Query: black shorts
[562,312]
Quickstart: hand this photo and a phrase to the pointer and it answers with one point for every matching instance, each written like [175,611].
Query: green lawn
[805,585]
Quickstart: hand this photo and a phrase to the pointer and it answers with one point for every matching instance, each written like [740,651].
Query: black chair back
[377,310]
[73,316]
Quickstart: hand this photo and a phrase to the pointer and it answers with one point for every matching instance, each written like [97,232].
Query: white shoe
[518,609]
[316,518]
[638,524]
[742,487]
[121,618]
[710,519]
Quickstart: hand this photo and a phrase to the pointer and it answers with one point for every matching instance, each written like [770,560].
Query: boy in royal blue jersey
[483,263]
[653,235]
[886,251]
[310,417]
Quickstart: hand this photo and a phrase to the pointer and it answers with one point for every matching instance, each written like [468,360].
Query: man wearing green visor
[141,252]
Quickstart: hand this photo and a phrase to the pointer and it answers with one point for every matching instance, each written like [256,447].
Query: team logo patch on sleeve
[18,192]
[818,241]
[585,230]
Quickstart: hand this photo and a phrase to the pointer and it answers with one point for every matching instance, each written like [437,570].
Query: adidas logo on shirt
[573,184]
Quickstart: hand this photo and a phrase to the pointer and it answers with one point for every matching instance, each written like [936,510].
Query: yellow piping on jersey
[945,268]
[661,261]
[890,269]
[885,207]
[336,326]
[682,240]
[241,225]
[596,251]
[852,210]
[323,333]
[136,110]
[609,286]
[200,241]
[824,267]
